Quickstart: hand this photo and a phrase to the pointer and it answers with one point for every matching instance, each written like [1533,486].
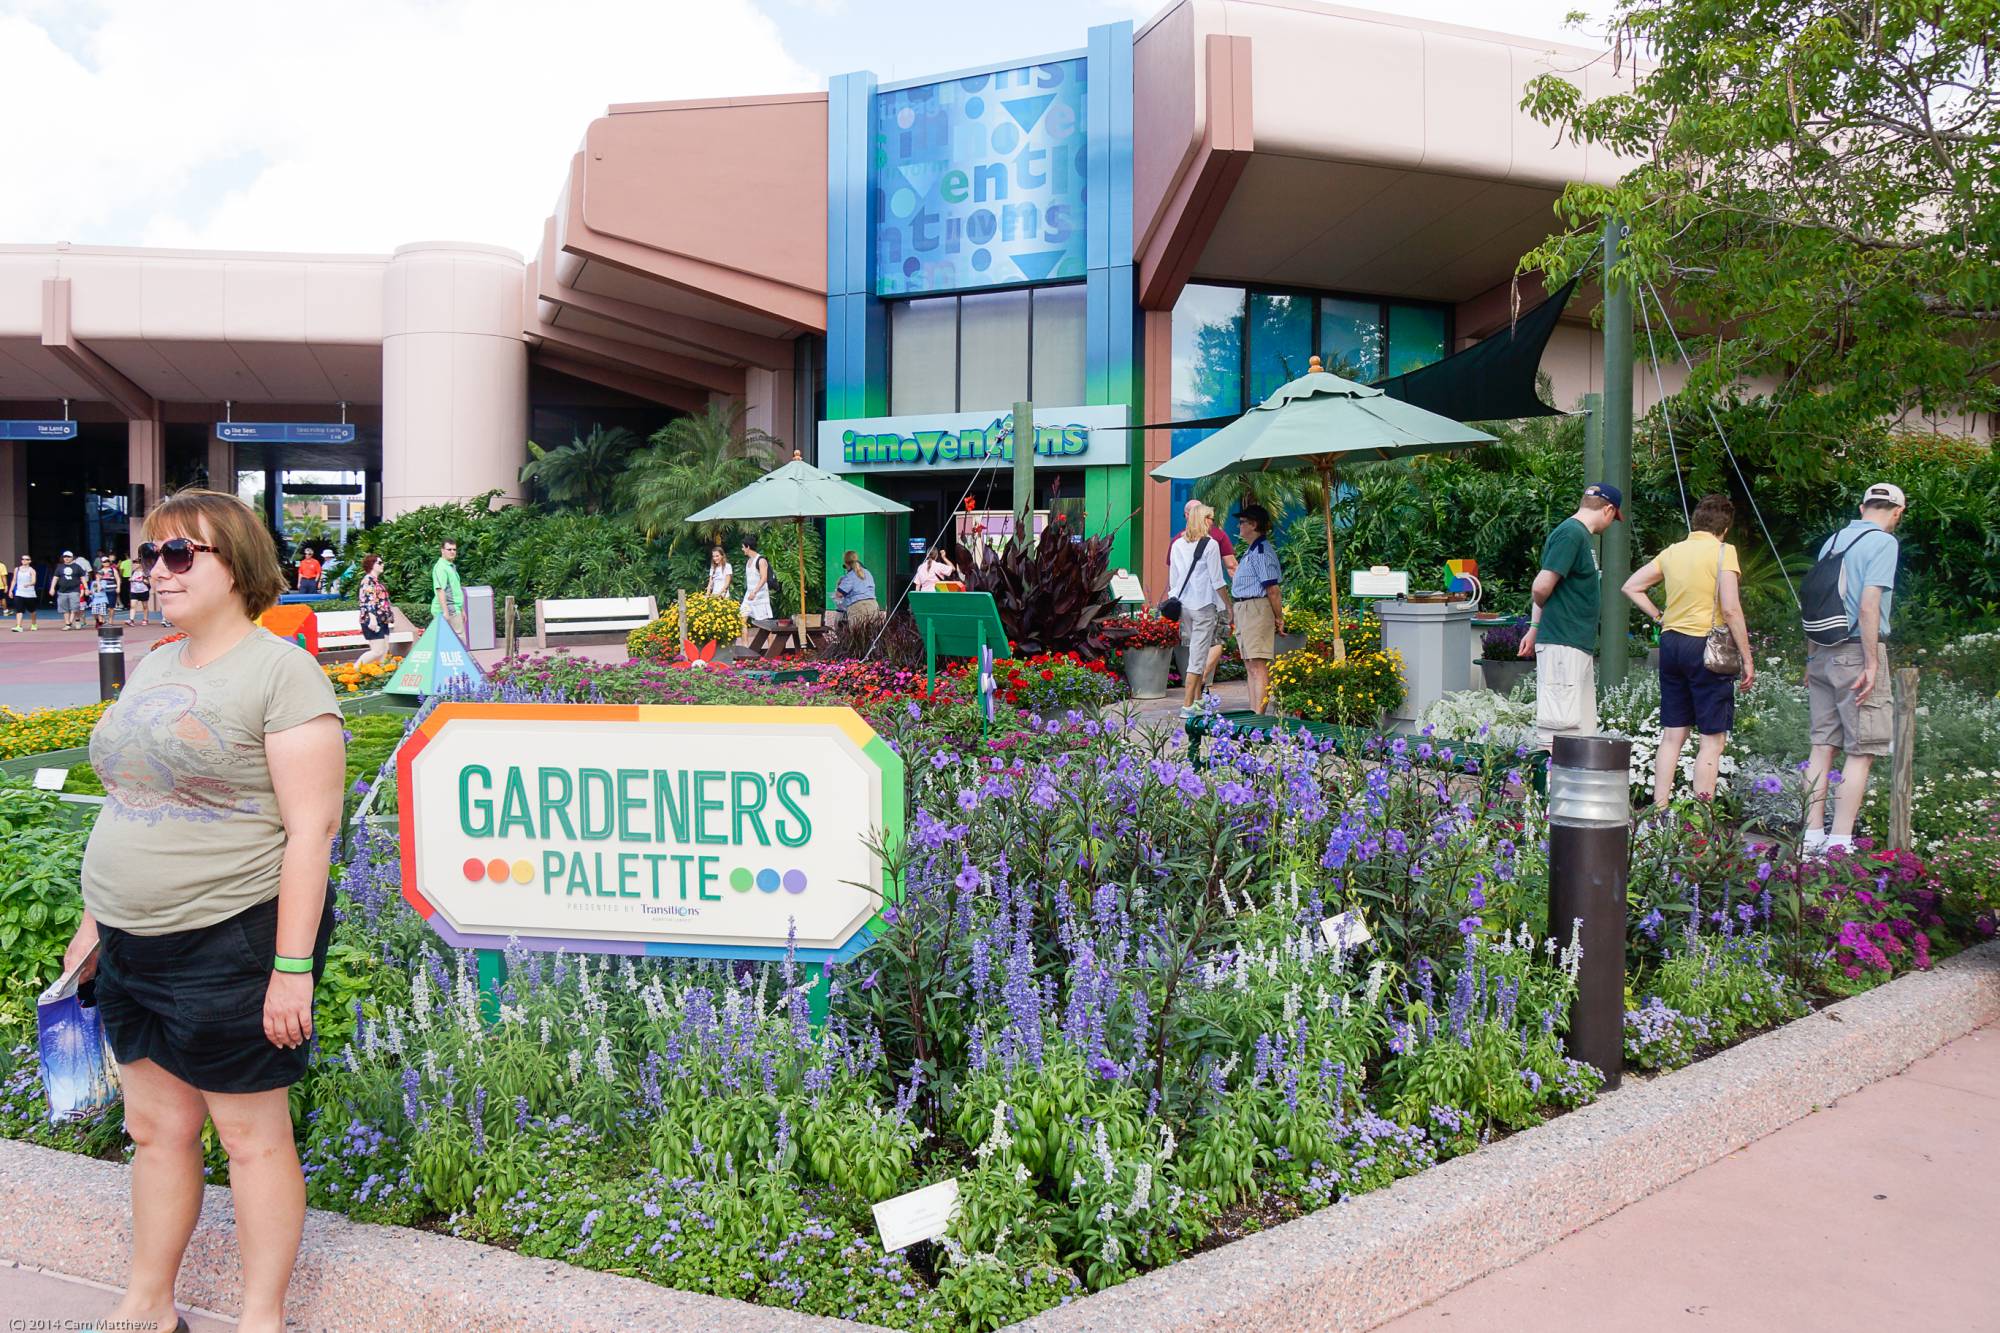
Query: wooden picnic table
[771,637]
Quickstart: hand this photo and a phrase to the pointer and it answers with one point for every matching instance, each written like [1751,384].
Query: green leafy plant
[584,473]
[1053,594]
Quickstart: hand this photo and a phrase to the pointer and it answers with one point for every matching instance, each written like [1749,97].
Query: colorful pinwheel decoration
[694,657]
[1463,577]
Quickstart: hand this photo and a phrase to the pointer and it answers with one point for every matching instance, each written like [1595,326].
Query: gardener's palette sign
[644,829]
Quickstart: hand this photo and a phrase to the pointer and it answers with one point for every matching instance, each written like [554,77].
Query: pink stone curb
[70,1214]
[1349,1267]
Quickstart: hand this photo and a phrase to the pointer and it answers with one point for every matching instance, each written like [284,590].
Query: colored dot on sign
[740,880]
[524,870]
[475,869]
[767,880]
[795,881]
[497,869]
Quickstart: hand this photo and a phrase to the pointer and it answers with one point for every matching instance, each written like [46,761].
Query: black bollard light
[110,661]
[1590,845]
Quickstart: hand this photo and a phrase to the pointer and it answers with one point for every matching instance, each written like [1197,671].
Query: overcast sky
[359,125]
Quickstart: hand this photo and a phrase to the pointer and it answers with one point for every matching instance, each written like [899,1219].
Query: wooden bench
[341,630]
[592,615]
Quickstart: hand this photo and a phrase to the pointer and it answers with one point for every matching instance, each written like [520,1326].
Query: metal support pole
[110,661]
[492,969]
[1024,471]
[1615,611]
[1593,448]
[1590,844]
[1903,752]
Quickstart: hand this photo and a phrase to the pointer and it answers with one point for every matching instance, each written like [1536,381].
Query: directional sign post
[37,430]
[285,432]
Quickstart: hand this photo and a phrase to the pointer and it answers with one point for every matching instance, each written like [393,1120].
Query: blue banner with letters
[37,430]
[978,181]
[285,432]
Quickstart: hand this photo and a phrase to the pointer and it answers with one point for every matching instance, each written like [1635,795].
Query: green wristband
[281,963]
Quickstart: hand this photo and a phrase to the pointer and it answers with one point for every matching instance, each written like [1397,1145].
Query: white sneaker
[1814,843]
[1836,845]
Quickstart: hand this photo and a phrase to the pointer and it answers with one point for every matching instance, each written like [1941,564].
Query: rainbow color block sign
[640,829]
[1462,576]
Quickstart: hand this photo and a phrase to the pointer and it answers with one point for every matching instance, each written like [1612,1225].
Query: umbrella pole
[1332,570]
[799,625]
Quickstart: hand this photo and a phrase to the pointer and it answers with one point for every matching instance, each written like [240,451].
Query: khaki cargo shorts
[1565,692]
[1838,719]
[1202,628]
[1256,629]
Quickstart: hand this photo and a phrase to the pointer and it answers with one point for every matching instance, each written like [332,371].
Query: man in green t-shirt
[1563,637]
[447,594]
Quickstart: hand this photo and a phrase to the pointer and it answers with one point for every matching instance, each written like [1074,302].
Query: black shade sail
[1492,380]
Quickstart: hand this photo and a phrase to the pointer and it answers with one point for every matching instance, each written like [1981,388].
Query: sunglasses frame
[152,553]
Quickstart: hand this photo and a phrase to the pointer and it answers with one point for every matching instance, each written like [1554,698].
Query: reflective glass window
[1416,337]
[1280,331]
[923,355]
[992,350]
[1207,375]
[1056,377]
[1350,338]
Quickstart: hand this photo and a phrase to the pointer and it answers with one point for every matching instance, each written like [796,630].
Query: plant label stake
[919,1215]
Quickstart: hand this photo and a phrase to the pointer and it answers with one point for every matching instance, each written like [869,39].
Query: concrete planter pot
[1146,671]
[1501,675]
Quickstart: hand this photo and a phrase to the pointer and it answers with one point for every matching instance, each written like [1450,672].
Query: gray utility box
[478,616]
[1435,639]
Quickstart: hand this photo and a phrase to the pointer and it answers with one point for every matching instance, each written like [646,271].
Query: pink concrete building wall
[454,375]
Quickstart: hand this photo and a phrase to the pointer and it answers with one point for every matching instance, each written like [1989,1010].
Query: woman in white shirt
[937,568]
[22,594]
[720,573]
[756,582]
[1194,574]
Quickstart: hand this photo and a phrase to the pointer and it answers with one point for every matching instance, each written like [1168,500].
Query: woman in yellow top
[207,911]
[1702,577]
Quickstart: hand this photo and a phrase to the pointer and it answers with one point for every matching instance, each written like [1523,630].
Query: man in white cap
[66,586]
[1847,660]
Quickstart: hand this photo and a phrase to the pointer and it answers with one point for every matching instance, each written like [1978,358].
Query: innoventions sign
[1092,436]
[705,831]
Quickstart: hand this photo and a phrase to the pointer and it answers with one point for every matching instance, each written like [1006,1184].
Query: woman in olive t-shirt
[207,909]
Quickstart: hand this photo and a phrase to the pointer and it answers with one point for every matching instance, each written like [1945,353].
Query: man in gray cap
[1844,602]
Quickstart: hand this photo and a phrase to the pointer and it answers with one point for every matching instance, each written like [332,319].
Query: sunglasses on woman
[176,553]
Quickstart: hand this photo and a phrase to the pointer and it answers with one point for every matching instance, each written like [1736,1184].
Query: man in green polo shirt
[447,594]
[1563,636]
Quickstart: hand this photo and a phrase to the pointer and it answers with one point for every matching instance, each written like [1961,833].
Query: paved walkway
[52,667]
[1878,1212]
[31,1298]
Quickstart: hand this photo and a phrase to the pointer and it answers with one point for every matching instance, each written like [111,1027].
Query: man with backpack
[1845,609]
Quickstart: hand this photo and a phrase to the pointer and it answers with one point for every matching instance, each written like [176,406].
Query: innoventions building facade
[1163,224]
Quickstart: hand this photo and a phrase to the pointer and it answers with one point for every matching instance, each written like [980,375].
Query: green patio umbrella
[797,491]
[1311,422]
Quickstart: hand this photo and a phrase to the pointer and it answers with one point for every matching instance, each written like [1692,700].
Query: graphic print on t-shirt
[161,756]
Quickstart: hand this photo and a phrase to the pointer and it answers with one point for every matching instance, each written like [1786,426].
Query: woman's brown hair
[1713,513]
[369,561]
[242,543]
